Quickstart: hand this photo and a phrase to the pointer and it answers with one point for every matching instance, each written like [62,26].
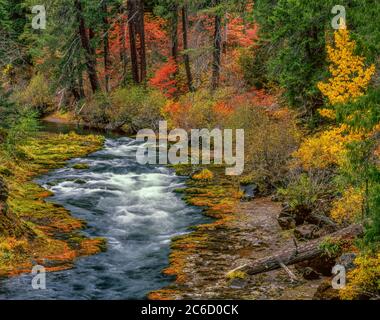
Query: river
[134,207]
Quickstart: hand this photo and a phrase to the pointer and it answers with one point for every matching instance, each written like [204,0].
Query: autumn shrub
[36,96]
[270,142]
[349,207]
[364,280]
[198,110]
[164,78]
[325,149]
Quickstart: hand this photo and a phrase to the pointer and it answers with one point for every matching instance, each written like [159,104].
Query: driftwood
[298,254]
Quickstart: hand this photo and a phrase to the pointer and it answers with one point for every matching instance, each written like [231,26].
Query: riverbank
[50,236]
[241,233]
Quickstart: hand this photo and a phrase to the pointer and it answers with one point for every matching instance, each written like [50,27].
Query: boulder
[347,260]
[287,223]
[249,192]
[290,215]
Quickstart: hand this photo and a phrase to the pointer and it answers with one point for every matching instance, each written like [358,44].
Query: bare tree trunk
[106,47]
[89,56]
[217,51]
[186,56]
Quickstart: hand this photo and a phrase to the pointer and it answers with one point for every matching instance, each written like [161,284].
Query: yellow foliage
[236,275]
[7,69]
[205,175]
[327,113]
[325,149]
[349,207]
[364,279]
[350,78]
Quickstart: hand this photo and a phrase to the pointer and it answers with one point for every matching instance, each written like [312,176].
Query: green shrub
[304,190]
[135,108]
[330,247]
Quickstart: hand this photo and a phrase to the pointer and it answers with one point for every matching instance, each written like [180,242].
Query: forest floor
[241,233]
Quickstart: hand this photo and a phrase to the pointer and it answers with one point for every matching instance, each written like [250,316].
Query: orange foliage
[164,78]
[240,34]
[254,97]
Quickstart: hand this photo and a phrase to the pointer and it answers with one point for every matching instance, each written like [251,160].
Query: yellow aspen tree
[350,77]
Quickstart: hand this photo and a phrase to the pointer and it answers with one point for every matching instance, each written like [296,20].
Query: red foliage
[240,34]
[164,78]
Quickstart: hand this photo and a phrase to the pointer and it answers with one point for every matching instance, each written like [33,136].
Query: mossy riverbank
[219,196]
[48,234]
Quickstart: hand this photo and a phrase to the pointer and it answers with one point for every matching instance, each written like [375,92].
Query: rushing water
[133,207]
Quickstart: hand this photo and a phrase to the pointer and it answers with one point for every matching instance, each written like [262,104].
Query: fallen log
[298,254]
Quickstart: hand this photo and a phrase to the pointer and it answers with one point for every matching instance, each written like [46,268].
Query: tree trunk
[141,33]
[122,44]
[292,256]
[217,51]
[186,56]
[174,32]
[106,47]
[131,6]
[88,51]
[137,39]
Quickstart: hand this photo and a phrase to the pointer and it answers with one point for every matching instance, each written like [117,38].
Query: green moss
[81,166]
[56,232]
[5,171]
